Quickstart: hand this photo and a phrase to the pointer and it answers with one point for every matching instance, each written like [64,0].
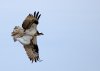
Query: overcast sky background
[71,40]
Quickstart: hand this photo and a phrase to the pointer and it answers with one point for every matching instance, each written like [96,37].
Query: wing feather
[32,50]
[30,19]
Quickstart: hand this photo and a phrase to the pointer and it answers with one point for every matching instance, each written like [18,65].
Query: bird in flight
[27,36]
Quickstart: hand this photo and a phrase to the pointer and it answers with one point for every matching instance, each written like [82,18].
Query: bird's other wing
[32,50]
[30,19]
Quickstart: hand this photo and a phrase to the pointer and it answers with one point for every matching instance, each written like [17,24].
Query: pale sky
[71,40]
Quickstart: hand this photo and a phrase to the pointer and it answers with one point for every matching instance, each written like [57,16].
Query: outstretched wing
[31,19]
[31,22]
[32,50]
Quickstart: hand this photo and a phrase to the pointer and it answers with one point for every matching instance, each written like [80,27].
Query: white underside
[29,33]
[25,40]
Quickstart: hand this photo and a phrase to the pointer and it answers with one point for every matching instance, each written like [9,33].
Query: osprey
[27,35]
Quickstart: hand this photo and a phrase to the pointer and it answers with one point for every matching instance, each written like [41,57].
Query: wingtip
[35,14]
[38,17]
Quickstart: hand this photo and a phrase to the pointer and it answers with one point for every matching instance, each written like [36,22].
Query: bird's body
[27,36]
[21,36]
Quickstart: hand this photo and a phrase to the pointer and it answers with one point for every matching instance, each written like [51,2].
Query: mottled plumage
[28,37]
